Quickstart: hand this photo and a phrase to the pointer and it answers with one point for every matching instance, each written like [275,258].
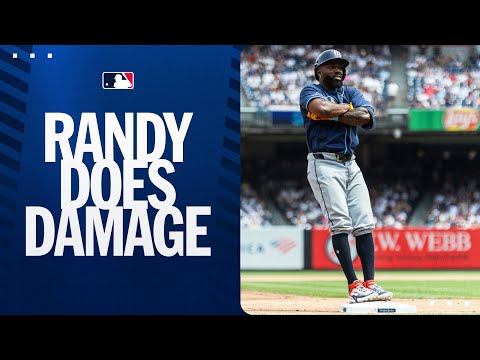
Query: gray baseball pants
[341,191]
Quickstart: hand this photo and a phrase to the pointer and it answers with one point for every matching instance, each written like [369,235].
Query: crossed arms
[343,113]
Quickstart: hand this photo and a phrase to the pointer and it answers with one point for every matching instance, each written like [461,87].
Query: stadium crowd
[452,197]
[457,202]
[274,74]
[253,210]
[392,204]
[438,80]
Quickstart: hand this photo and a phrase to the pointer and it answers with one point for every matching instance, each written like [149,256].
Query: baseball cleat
[383,295]
[357,293]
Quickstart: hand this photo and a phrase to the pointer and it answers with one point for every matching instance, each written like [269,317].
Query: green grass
[463,288]
[379,273]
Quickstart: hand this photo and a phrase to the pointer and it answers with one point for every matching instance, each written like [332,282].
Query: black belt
[340,157]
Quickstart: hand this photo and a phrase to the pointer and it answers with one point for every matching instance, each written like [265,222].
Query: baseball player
[331,114]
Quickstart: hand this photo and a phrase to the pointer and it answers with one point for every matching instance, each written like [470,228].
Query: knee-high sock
[366,252]
[342,250]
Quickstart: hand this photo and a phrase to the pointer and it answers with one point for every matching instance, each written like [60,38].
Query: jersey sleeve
[358,100]
[309,93]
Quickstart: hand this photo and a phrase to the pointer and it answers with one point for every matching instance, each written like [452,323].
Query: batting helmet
[327,55]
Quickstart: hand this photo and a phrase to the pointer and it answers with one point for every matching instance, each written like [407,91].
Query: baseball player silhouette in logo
[331,114]
[121,83]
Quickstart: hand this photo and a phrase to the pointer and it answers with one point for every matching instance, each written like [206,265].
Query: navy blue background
[168,78]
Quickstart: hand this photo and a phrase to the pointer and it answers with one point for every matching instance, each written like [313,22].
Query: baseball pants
[340,189]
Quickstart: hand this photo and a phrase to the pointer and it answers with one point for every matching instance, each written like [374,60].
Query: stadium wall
[293,248]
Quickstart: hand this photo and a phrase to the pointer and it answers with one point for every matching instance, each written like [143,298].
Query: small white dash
[432,302]
[467,303]
[49,55]
[15,55]
[32,55]
[449,303]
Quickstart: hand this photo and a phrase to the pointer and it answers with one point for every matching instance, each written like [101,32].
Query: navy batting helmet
[327,55]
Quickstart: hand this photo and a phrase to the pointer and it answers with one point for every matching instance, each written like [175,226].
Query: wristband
[334,118]
[351,106]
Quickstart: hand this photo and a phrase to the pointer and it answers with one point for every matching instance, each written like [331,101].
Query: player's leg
[328,180]
[357,292]
[358,200]
[366,253]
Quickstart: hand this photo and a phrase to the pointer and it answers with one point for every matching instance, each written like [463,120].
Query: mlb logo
[118,80]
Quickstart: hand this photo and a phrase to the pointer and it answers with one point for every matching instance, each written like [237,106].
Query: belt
[340,157]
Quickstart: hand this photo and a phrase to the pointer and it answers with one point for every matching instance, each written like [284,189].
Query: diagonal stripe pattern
[14,75]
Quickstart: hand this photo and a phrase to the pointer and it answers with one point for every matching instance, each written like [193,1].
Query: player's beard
[333,83]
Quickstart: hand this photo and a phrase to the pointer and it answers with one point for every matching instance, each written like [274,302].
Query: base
[378,307]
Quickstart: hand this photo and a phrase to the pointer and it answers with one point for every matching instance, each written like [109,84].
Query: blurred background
[421,160]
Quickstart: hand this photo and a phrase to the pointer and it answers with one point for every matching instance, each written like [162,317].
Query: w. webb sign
[408,248]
